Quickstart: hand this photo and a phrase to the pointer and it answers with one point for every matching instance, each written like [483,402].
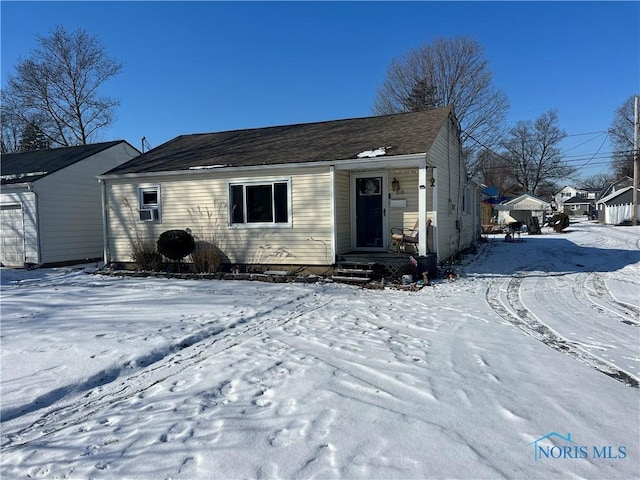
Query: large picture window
[149,203]
[259,203]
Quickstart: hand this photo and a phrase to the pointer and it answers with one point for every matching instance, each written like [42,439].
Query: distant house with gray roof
[301,194]
[51,204]
[578,205]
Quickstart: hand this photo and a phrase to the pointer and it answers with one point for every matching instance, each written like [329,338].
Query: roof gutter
[27,185]
[396,161]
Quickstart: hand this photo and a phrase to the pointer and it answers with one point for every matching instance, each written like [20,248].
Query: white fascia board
[397,161]
[16,187]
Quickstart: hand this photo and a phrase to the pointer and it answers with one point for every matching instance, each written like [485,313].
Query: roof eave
[18,184]
[396,161]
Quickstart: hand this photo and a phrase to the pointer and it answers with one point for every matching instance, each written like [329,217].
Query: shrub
[176,244]
[145,256]
[559,221]
[206,257]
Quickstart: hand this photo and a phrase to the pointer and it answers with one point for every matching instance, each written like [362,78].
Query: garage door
[11,236]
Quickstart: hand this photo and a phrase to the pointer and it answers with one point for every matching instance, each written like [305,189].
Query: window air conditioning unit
[149,214]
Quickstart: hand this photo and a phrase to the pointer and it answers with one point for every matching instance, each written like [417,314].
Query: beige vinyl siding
[471,217]
[450,179]
[70,207]
[404,217]
[199,202]
[343,212]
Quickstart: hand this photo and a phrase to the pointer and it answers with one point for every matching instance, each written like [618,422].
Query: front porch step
[353,272]
[388,265]
[340,279]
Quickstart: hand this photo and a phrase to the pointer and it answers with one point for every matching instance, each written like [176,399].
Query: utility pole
[634,217]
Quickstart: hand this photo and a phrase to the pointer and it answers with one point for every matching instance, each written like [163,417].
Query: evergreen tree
[33,138]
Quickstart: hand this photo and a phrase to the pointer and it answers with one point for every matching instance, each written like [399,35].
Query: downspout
[105,236]
[436,242]
[423,227]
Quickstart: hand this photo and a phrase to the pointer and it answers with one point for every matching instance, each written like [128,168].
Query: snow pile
[107,377]
[373,153]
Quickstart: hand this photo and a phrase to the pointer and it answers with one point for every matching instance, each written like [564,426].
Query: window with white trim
[260,203]
[149,203]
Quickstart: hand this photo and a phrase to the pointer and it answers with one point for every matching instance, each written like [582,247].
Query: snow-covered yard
[106,377]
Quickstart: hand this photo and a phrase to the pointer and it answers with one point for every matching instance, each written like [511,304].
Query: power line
[587,133]
[580,157]
[590,140]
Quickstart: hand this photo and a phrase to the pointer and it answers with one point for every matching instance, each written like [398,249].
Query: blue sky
[192,67]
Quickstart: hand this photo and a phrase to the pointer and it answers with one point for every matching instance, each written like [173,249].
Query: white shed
[51,204]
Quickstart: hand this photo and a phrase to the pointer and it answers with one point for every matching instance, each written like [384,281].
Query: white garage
[11,236]
[51,203]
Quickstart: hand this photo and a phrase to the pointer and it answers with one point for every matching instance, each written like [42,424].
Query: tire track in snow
[117,389]
[511,308]
[595,285]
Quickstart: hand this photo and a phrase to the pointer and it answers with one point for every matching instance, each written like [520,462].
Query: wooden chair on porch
[405,239]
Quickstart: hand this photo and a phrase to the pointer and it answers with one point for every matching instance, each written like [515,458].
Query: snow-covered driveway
[105,377]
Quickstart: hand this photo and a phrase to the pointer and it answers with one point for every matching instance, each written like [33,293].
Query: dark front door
[369,212]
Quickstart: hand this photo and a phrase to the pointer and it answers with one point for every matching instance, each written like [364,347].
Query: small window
[259,203]
[466,193]
[149,204]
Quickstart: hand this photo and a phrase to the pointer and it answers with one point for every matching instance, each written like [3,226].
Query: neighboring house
[522,208]
[51,204]
[568,192]
[617,207]
[613,187]
[490,198]
[576,206]
[300,194]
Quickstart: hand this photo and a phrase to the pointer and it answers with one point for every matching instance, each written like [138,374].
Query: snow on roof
[373,153]
[207,167]
[18,176]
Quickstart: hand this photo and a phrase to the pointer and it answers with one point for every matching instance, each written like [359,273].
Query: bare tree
[10,126]
[621,132]
[496,172]
[531,149]
[599,181]
[448,71]
[58,84]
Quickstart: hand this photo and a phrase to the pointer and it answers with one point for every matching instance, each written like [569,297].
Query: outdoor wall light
[395,185]
[432,182]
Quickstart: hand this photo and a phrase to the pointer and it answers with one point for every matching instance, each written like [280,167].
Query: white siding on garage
[199,202]
[70,207]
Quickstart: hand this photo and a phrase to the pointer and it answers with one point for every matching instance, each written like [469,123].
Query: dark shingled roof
[578,200]
[31,166]
[405,133]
